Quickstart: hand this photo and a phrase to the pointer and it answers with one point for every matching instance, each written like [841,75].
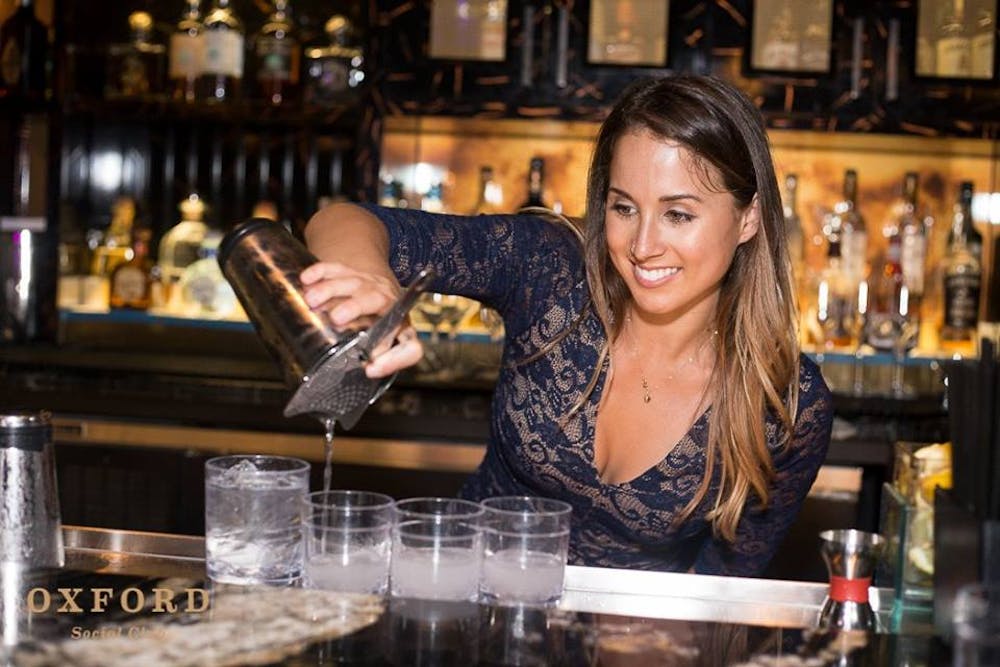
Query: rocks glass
[526,540]
[347,539]
[253,531]
[437,549]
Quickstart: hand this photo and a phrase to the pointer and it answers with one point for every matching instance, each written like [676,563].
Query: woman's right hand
[353,299]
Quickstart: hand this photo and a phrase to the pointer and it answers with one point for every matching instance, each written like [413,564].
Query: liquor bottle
[536,184]
[888,307]
[24,53]
[983,45]
[963,211]
[116,245]
[793,230]
[852,230]
[835,296]
[204,291]
[953,44]
[277,53]
[492,40]
[962,279]
[181,243]
[187,53]
[222,73]
[624,43]
[136,68]
[913,240]
[334,71]
[490,199]
[131,281]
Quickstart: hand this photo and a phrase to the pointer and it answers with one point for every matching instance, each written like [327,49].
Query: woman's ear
[750,220]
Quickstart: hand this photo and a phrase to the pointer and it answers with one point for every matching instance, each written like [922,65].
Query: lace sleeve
[761,531]
[513,263]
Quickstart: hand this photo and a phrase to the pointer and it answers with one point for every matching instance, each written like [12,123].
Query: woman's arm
[353,282]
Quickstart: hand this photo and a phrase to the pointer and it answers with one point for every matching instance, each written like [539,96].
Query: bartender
[651,373]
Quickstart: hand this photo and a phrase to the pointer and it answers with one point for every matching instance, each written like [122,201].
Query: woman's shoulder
[812,386]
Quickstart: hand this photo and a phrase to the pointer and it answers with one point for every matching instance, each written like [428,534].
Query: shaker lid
[25,419]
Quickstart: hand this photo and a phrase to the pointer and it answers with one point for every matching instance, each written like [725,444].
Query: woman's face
[670,232]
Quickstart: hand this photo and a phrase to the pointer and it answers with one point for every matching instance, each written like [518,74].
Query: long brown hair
[758,355]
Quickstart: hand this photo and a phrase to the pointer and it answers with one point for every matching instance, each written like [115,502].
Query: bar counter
[606,616]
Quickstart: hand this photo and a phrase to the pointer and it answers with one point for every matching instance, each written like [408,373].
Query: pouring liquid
[330,425]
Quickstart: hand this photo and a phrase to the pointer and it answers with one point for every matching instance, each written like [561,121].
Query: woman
[651,375]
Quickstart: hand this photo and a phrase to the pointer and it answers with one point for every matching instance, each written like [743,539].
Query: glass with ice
[526,540]
[437,549]
[347,539]
[253,531]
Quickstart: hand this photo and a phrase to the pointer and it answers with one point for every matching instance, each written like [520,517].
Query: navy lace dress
[531,271]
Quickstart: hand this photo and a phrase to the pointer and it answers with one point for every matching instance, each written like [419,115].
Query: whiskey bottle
[24,53]
[187,53]
[116,245]
[962,281]
[536,184]
[136,69]
[131,280]
[851,227]
[222,73]
[490,198]
[334,71]
[793,230]
[913,240]
[963,211]
[277,53]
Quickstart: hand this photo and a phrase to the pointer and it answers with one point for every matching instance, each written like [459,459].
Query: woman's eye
[678,217]
[622,209]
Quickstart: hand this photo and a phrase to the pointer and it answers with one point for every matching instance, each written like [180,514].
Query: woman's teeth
[656,274]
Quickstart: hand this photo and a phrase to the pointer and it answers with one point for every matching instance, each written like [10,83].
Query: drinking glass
[976,626]
[347,538]
[253,529]
[437,549]
[526,540]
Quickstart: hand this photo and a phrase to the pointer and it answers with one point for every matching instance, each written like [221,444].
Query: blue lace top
[532,272]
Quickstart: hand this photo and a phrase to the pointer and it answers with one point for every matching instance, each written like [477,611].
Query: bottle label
[129,285]
[277,58]
[10,63]
[982,55]
[187,53]
[224,53]
[912,260]
[961,301]
[953,57]
[853,250]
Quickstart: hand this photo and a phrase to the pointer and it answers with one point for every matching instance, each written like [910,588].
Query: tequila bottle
[131,282]
[136,69]
[334,71]
[24,52]
[913,235]
[187,53]
[276,57]
[962,280]
[222,72]
[835,294]
[889,305]
[179,247]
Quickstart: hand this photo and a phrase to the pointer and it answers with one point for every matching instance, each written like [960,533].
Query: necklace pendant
[645,391]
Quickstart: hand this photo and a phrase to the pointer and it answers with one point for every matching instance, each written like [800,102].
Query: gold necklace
[646,395]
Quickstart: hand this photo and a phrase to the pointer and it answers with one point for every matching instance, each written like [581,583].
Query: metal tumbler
[30,525]
[324,367]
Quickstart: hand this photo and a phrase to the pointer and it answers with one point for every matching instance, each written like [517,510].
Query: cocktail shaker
[325,367]
[851,557]
[30,525]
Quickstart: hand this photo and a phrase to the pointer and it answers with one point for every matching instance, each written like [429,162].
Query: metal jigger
[851,557]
